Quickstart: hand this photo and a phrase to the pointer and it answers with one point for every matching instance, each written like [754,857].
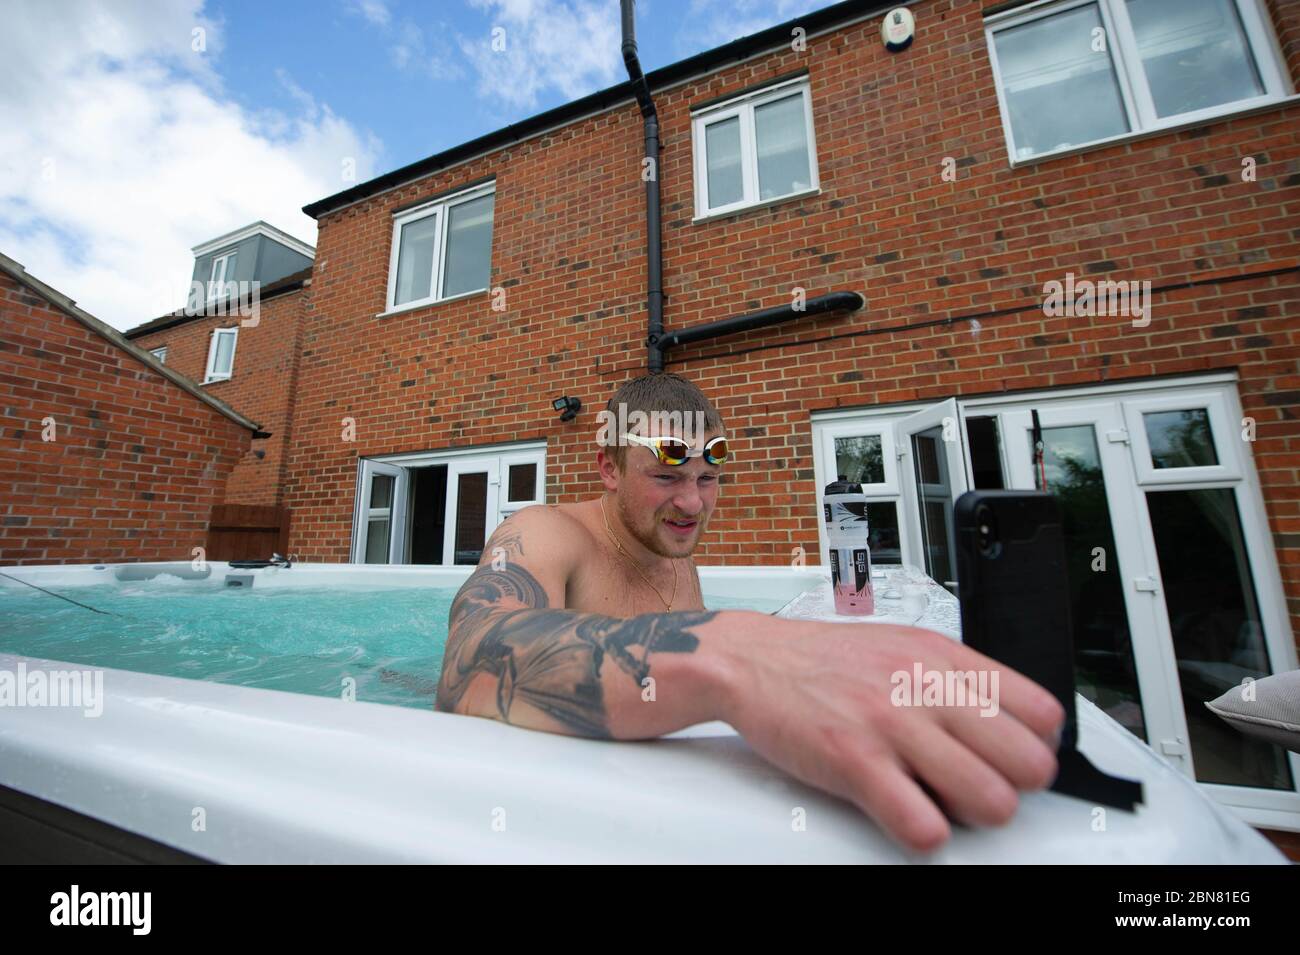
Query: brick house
[105,453]
[1075,222]
[1007,155]
[249,361]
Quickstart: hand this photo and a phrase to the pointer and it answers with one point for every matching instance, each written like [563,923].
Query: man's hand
[813,698]
[816,701]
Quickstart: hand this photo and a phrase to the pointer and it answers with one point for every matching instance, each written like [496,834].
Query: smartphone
[1014,589]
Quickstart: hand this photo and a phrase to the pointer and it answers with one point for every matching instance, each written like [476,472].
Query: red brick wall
[136,464]
[569,248]
[261,386]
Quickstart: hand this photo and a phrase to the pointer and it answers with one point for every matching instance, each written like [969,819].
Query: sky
[133,130]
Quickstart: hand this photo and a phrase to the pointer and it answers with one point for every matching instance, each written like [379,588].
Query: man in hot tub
[587,619]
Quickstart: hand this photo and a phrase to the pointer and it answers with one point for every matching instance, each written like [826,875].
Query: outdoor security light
[569,406]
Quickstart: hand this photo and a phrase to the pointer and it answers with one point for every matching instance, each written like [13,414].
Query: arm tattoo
[549,659]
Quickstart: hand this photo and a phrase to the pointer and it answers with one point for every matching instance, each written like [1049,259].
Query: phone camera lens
[987,533]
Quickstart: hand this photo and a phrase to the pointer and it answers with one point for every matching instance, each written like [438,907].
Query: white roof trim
[257,228]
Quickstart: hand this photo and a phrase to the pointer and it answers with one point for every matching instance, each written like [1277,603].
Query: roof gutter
[816,23]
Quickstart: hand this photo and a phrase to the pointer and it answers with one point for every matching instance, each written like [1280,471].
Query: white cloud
[568,45]
[121,151]
[711,23]
[376,11]
[411,51]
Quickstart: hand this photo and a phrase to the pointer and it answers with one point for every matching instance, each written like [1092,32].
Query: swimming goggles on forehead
[675,451]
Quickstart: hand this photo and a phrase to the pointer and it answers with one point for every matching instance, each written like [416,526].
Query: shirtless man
[574,607]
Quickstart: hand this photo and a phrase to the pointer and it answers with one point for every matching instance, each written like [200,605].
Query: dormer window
[223,270]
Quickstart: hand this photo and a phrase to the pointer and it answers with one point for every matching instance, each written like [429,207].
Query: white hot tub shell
[233,774]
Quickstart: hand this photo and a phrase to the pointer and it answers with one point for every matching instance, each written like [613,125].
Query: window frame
[208,374]
[1222,428]
[743,107]
[440,208]
[496,460]
[217,286]
[160,353]
[1115,404]
[1130,76]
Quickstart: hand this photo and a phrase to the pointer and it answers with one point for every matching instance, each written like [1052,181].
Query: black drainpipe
[654,246]
[834,302]
[657,343]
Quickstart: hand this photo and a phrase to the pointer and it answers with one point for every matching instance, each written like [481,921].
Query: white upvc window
[754,150]
[221,354]
[442,249]
[223,270]
[1074,73]
[159,353]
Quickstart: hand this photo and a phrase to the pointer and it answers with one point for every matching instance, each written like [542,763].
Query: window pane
[782,135]
[984,442]
[1103,647]
[1195,53]
[859,459]
[415,260]
[471,517]
[377,541]
[225,352]
[722,155]
[882,531]
[1180,439]
[1218,634]
[381,490]
[523,482]
[1059,91]
[469,246]
[934,492]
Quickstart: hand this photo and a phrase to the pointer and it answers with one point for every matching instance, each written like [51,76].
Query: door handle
[1147,585]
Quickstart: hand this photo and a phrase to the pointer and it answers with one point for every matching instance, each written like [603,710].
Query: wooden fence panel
[247,531]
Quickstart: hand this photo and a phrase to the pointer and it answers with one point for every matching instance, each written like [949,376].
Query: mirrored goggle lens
[715,452]
[673,450]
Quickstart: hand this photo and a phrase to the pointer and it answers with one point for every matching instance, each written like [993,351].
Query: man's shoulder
[550,528]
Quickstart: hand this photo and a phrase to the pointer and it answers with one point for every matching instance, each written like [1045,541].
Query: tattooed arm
[814,698]
[513,654]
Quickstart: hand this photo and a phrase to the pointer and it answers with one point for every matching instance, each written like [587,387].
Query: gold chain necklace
[635,566]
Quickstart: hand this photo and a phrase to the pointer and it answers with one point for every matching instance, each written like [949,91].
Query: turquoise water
[389,642]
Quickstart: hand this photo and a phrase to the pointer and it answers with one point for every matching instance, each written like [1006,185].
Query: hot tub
[321,770]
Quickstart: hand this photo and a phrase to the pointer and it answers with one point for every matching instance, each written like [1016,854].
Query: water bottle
[844,508]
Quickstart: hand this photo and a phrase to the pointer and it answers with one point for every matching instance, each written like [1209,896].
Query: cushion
[1273,715]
